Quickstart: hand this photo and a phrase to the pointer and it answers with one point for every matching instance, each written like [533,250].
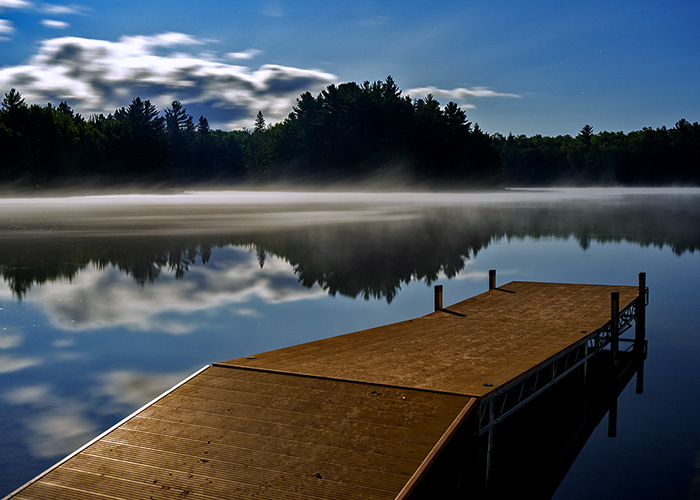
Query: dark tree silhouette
[13,101]
[586,134]
[348,132]
[259,122]
[140,139]
[181,133]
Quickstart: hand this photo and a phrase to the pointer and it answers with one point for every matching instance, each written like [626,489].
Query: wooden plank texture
[232,433]
[492,338]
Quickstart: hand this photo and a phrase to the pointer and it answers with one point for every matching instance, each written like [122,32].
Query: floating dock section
[358,416]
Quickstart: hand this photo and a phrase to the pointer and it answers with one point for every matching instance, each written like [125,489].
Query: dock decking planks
[305,438]
[492,338]
[353,416]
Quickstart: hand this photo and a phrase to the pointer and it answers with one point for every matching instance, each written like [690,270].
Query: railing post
[438,297]
[640,313]
[492,279]
[615,324]
[640,330]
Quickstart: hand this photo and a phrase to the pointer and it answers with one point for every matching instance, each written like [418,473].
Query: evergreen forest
[347,133]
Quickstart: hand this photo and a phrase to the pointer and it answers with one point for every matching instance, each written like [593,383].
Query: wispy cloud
[134,388]
[246,54]
[462,96]
[45,8]
[8,30]
[56,10]
[15,4]
[99,76]
[8,341]
[9,364]
[57,425]
[32,394]
[373,21]
[273,8]
[55,24]
[6,27]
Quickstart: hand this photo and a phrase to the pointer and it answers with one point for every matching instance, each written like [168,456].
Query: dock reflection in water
[534,448]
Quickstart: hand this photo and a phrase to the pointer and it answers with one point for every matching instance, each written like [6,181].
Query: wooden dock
[361,415]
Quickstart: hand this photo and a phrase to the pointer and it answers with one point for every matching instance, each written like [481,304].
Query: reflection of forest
[370,259]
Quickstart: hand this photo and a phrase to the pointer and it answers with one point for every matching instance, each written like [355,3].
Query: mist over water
[108,300]
[220,212]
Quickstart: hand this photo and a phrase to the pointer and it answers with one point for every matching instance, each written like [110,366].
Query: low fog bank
[354,244]
[232,211]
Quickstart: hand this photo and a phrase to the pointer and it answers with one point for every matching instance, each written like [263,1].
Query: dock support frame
[508,399]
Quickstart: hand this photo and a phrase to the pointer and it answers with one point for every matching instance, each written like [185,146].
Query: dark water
[109,301]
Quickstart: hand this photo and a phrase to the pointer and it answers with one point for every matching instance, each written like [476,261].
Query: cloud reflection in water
[108,298]
[57,425]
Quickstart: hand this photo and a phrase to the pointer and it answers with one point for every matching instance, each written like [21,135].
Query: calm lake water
[107,301]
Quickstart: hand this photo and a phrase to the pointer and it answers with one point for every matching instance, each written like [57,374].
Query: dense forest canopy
[348,132]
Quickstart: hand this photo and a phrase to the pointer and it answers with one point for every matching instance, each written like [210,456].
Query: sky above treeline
[546,67]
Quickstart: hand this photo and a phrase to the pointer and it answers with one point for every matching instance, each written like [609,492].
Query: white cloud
[73,9]
[246,54]
[460,95]
[6,27]
[15,4]
[58,433]
[134,388]
[9,341]
[138,44]
[33,394]
[8,364]
[46,8]
[247,312]
[99,76]
[57,425]
[52,23]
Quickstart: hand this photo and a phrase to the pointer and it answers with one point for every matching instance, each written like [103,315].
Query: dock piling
[438,297]
[640,313]
[615,324]
[492,279]
[640,330]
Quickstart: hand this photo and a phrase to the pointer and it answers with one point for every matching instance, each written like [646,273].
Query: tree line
[644,157]
[348,132]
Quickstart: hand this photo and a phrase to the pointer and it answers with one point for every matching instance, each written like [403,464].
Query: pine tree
[259,122]
[13,101]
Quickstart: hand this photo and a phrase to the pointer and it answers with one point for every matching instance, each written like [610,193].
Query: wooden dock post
[438,297]
[640,330]
[492,279]
[640,313]
[615,324]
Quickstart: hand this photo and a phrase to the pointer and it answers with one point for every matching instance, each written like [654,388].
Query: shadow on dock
[534,449]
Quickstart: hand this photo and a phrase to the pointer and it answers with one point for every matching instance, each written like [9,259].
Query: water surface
[110,300]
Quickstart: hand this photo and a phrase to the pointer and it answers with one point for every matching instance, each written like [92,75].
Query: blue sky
[546,67]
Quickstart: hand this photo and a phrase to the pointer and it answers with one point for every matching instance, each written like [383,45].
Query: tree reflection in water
[368,257]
